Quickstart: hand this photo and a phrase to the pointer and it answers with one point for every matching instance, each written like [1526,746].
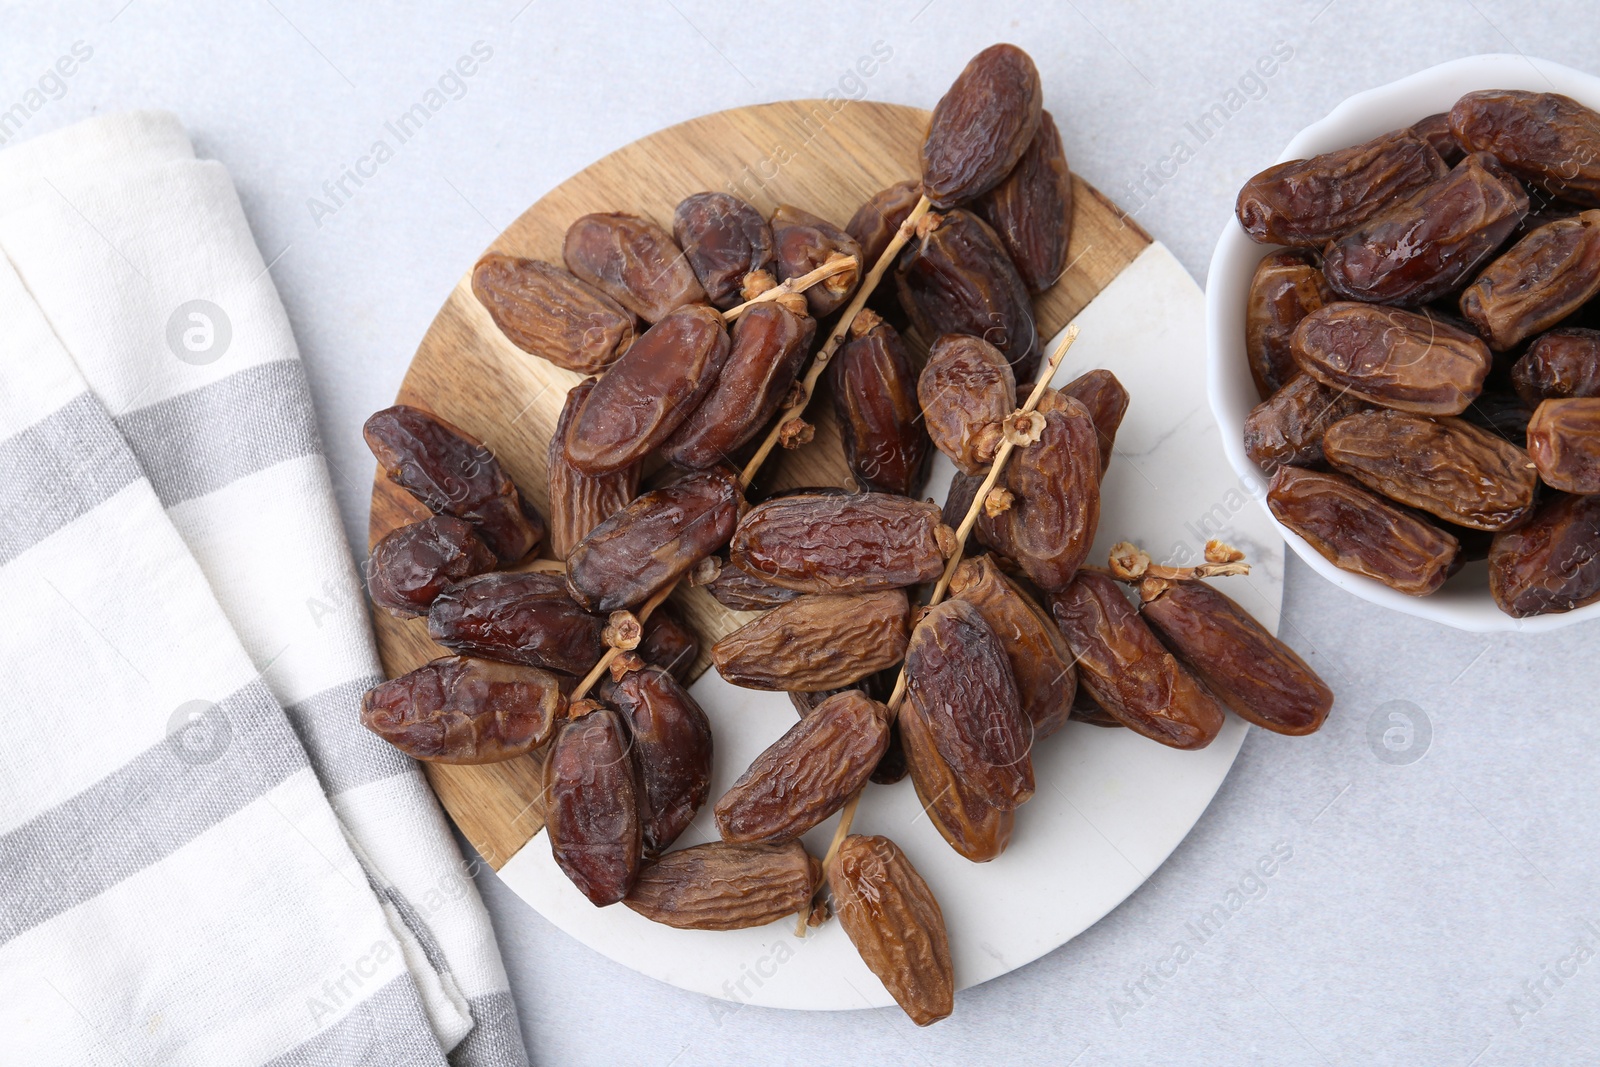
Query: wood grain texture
[827,157]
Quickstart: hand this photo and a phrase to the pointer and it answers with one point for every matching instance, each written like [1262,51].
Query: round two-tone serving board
[1142,321]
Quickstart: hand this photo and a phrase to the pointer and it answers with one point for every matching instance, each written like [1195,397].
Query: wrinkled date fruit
[669,642]
[1312,201]
[1446,466]
[1031,209]
[518,618]
[633,261]
[849,543]
[960,684]
[803,242]
[647,545]
[1399,359]
[456,710]
[592,806]
[1435,129]
[1564,442]
[451,472]
[978,830]
[1262,679]
[958,499]
[1550,564]
[892,766]
[1560,363]
[966,390]
[1502,414]
[1288,428]
[1550,140]
[735,589]
[981,126]
[649,391]
[722,886]
[895,923]
[1287,286]
[1055,490]
[1359,532]
[817,642]
[808,773]
[955,277]
[723,238]
[1041,662]
[874,396]
[1107,401]
[413,564]
[1545,277]
[875,223]
[579,502]
[1429,245]
[671,751]
[769,344]
[549,313]
[1128,671]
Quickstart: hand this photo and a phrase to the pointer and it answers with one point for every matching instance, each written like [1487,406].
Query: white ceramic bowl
[1463,601]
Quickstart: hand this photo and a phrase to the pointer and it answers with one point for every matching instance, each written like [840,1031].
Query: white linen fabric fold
[203,856]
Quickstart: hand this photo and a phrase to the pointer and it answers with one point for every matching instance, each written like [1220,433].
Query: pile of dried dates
[1426,349]
[889,679]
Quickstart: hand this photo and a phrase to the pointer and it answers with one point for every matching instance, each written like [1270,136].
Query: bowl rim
[1234,258]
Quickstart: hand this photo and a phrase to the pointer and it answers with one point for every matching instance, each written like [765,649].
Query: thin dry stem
[799,284]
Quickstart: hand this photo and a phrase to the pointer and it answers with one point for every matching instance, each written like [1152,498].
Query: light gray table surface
[1432,901]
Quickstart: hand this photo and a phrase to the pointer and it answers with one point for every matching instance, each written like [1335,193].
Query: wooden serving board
[467,372]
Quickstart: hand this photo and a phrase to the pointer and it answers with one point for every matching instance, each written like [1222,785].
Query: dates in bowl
[1394,302]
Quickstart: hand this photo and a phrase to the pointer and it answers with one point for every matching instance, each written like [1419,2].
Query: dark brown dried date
[518,618]
[669,641]
[412,564]
[579,502]
[1561,363]
[1286,287]
[1430,244]
[1564,443]
[1107,401]
[1312,201]
[960,684]
[1262,679]
[724,238]
[769,345]
[457,710]
[817,642]
[1400,359]
[1031,209]
[1542,279]
[549,313]
[893,920]
[978,830]
[955,277]
[671,752]
[1055,490]
[1358,531]
[1127,670]
[1041,662]
[1288,427]
[1445,466]
[633,261]
[1435,129]
[808,773]
[874,396]
[892,766]
[722,886]
[451,472]
[804,242]
[875,223]
[592,805]
[981,126]
[1550,564]
[966,390]
[648,393]
[1502,414]
[1547,139]
[649,544]
[735,589]
[848,543]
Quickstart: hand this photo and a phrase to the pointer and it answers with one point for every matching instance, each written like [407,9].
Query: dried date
[803,242]
[1031,209]
[847,543]
[1435,129]
[451,472]
[457,710]
[579,502]
[815,642]
[1550,564]
[669,642]
[1545,277]
[1288,428]
[735,589]
[874,396]
[981,126]
[875,223]
[412,564]
[518,618]
[966,390]
[549,313]
[633,261]
[1041,662]
[978,830]
[671,752]
[722,886]
[1107,401]
[1359,532]
[592,805]
[723,238]
[1286,287]
[1400,359]
[1560,363]
[1549,140]
[1564,443]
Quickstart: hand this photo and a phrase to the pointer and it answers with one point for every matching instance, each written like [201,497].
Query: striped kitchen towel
[204,858]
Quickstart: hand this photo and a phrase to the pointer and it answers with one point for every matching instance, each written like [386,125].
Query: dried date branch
[1130,563]
[836,264]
